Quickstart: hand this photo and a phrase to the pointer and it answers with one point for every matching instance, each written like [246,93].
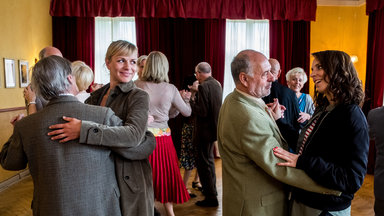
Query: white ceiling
[340,2]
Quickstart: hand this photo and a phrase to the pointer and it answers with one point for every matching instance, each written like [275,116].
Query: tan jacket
[252,182]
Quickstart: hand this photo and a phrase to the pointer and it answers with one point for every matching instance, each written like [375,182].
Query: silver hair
[240,63]
[294,71]
[203,67]
[50,77]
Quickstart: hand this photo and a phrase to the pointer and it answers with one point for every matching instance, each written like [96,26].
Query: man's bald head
[49,51]
[251,73]
[275,68]
[203,71]
[245,61]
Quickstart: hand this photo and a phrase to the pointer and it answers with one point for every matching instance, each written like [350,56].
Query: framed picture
[10,73]
[23,73]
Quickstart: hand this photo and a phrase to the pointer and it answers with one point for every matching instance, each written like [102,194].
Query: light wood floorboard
[16,200]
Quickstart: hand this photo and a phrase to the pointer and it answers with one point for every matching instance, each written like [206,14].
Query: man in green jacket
[247,134]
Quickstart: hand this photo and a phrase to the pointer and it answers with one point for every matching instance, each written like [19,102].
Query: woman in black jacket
[333,146]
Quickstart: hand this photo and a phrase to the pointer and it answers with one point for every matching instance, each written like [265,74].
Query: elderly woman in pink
[165,102]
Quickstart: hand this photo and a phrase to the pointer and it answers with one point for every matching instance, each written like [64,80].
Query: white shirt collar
[66,94]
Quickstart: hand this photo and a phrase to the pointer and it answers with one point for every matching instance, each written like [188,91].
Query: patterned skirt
[168,184]
[188,152]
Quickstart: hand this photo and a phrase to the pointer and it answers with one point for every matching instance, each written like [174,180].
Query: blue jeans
[299,209]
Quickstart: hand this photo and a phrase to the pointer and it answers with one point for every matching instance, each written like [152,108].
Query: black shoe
[195,186]
[157,213]
[208,203]
[192,195]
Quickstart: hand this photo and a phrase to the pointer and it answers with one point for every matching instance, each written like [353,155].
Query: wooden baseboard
[14,179]
[12,109]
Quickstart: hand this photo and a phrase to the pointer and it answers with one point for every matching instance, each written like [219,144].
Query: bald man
[49,51]
[206,110]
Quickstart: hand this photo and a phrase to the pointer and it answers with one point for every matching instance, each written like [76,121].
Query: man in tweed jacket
[247,133]
[70,179]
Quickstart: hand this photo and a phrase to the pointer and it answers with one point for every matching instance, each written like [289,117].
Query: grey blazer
[71,178]
[376,132]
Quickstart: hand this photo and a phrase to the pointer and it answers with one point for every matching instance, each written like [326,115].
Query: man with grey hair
[206,110]
[69,179]
[34,103]
[247,134]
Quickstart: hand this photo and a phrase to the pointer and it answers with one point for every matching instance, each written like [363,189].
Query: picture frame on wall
[23,73]
[9,73]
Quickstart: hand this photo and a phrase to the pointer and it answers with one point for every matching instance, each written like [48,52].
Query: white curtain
[240,35]
[109,29]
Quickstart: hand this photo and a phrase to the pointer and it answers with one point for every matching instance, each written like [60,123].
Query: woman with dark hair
[188,151]
[333,146]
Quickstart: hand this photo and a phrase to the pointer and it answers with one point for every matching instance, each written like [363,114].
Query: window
[109,29]
[240,35]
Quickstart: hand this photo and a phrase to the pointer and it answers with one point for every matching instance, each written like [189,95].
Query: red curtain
[185,42]
[75,38]
[289,43]
[214,46]
[202,9]
[373,5]
[374,84]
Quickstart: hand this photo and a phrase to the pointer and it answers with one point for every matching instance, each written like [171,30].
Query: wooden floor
[16,200]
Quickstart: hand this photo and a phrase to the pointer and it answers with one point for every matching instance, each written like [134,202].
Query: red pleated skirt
[168,184]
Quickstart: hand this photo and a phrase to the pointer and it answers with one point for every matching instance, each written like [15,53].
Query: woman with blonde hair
[165,102]
[140,64]
[130,142]
[296,78]
[84,77]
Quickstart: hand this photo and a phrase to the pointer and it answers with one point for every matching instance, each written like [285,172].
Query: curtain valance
[373,5]
[204,9]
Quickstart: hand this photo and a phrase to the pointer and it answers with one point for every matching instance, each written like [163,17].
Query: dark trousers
[206,168]
[379,207]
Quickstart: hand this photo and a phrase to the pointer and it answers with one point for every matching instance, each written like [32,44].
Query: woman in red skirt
[165,102]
